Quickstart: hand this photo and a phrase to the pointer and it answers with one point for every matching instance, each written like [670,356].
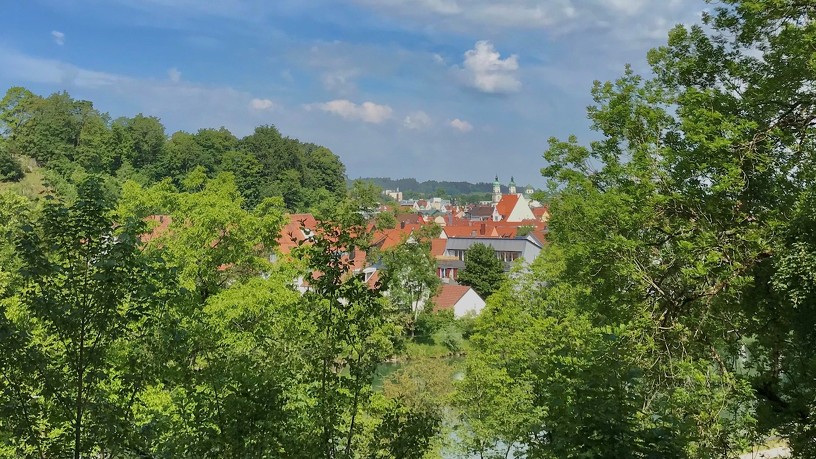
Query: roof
[481,211]
[448,296]
[438,247]
[507,204]
[158,225]
[540,212]
[469,231]
[497,243]
[292,232]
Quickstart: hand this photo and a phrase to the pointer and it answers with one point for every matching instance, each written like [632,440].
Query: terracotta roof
[158,225]
[540,212]
[438,247]
[507,204]
[292,232]
[478,230]
[448,296]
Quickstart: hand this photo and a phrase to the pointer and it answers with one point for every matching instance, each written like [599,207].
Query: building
[461,299]
[513,208]
[507,250]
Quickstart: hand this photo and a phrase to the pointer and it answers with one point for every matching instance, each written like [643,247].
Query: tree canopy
[483,270]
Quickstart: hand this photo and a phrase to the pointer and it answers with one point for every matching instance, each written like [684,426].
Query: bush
[10,168]
[451,337]
[428,323]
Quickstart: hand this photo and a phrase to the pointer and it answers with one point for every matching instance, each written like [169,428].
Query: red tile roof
[438,247]
[540,212]
[448,296]
[292,230]
[158,225]
[507,204]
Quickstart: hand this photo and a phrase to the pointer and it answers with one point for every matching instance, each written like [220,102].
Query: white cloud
[461,125]
[486,71]
[417,120]
[59,37]
[174,74]
[340,81]
[368,112]
[261,104]
[184,105]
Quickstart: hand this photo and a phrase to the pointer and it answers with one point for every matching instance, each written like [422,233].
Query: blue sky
[432,89]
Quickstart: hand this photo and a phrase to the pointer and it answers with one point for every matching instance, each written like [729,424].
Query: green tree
[72,372]
[385,220]
[10,168]
[409,277]
[323,169]
[357,330]
[211,238]
[146,138]
[679,223]
[483,271]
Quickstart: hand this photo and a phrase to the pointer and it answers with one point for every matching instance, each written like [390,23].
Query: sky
[430,89]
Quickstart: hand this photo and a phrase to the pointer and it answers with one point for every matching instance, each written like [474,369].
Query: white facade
[521,211]
[470,303]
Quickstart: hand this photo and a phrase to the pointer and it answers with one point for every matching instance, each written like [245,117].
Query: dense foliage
[672,314]
[72,139]
[483,271]
[145,310]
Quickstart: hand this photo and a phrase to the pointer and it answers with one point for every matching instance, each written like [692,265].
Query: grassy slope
[31,186]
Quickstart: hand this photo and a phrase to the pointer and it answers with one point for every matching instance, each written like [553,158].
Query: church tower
[496,191]
[512,185]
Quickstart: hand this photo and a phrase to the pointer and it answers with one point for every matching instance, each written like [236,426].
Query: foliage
[76,328]
[674,325]
[70,137]
[409,276]
[10,168]
[483,271]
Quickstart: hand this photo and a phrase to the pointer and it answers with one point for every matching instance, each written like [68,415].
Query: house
[478,230]
[507,250]
[482,213]
[462,299]
[514,208]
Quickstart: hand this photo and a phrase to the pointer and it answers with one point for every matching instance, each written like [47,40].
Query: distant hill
[429,187]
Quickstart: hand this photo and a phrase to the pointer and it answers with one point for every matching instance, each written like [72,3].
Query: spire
[496,190]
[512,185]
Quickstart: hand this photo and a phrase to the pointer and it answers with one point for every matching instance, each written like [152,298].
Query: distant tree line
[410,186]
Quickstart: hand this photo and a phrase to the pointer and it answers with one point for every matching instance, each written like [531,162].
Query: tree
[681,223]
[385,220]
[72,371]
[483,271]
[10,168]
[146,138]
[409,277]
[211,238]
[357,331]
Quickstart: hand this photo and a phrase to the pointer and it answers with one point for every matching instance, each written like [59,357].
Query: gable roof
[481,230]
[292,231]
[507,204]
[448,295]
[438,247]
[481,211]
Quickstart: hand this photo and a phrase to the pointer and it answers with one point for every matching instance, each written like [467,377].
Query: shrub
[10,168]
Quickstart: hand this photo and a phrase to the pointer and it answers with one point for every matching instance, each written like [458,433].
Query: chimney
[482,229]
[402,224]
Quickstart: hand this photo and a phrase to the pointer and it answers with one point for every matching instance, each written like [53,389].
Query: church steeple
[496,191]
[512,185]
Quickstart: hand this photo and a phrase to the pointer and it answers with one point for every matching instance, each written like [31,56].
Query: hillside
[430,187]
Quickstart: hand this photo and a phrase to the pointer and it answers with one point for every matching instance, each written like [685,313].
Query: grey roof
[481,211]
[497,243]
[455,263]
